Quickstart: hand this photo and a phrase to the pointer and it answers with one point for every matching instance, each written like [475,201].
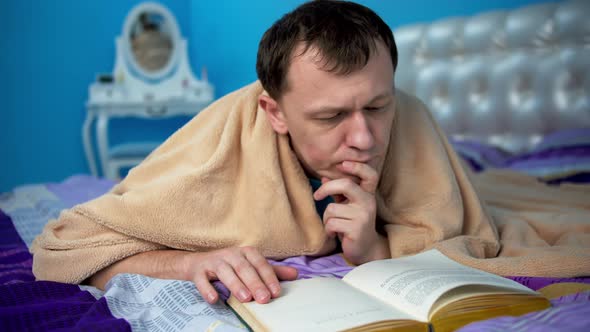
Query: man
[338,119]
[328,69]
[232,187]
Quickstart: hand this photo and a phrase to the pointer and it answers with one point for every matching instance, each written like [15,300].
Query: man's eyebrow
[384,95]
[331,109]
[327,109]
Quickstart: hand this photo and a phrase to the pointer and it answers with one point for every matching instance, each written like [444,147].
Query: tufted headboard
[502,77]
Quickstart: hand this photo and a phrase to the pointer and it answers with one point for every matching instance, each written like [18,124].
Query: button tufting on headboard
[503,77]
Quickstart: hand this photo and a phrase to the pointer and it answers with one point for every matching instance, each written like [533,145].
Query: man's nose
[360,135]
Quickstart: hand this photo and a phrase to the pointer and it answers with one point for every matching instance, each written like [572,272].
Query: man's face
[335,118]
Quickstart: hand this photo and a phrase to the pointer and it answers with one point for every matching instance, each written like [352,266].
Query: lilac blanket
[139,303]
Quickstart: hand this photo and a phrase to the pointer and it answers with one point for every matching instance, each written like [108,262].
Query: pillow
[562,156]
[564,138]
[479,155]
[553,162]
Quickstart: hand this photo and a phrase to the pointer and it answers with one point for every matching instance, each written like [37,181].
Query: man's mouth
[346,174]
[368,161]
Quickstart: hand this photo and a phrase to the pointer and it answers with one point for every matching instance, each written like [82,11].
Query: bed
[512,91]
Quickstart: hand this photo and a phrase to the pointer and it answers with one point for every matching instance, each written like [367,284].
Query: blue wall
[51,51]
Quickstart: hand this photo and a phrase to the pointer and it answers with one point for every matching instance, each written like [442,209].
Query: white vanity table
[152,79]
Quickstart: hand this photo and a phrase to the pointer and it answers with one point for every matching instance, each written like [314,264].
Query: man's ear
[274,113]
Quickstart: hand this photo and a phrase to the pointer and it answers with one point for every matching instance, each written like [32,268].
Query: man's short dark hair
[345,34]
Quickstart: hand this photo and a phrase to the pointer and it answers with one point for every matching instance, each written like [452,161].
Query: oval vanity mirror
[151,39]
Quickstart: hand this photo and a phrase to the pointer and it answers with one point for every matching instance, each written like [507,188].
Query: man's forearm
[163,264]
[243,270]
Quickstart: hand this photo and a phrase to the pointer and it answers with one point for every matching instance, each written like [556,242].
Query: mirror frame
[129,56]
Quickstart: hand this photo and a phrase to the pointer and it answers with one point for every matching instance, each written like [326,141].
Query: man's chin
[338,172]
[340,175]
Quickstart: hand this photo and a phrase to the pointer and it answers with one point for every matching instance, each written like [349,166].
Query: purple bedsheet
[28,305]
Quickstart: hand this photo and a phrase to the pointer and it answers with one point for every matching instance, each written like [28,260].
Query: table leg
[87,141]
[102,129]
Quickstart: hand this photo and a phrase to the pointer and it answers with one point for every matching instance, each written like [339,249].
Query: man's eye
[375,109]
[332,117]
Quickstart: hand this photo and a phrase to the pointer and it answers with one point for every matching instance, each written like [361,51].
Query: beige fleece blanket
[226,179]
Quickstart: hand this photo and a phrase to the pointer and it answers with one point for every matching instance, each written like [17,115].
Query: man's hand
[352,216]
[244,271]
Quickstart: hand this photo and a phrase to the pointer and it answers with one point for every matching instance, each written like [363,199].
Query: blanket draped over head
[227,179]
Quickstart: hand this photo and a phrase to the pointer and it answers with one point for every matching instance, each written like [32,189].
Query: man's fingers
[249,275]
[337,226]
[285,272]
[340,189]
[344,211]
[338,198]
[368,175]
[227,274]
[266,273]
[244,271]
[205,288]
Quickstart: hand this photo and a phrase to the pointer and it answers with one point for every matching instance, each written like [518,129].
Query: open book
[420,292]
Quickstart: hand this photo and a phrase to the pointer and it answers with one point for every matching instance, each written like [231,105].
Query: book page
[321,304]
[414,283]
